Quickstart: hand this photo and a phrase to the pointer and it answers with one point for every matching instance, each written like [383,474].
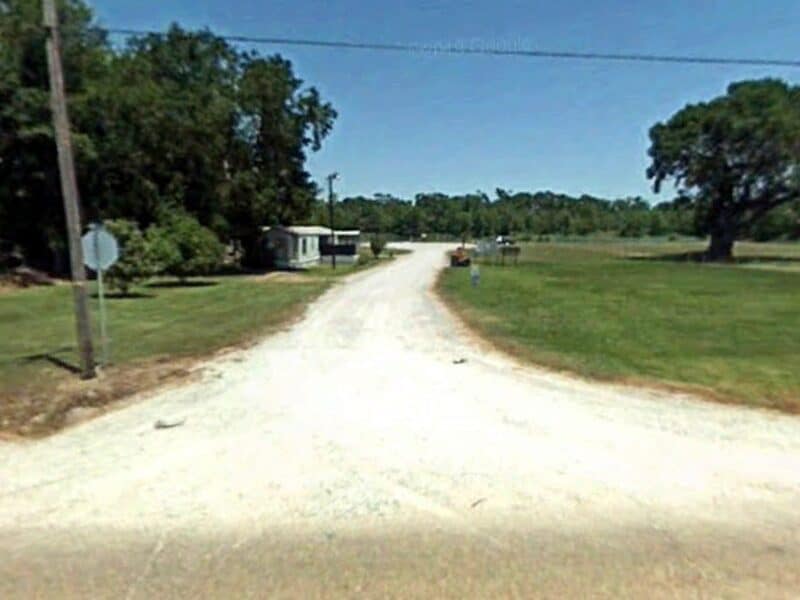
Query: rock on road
[350,456]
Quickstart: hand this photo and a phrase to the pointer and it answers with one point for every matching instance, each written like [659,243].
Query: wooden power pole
[69,189]
[331,178]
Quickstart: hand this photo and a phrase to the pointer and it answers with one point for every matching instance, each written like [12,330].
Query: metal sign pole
[103,331]
[101,251]
[101,299]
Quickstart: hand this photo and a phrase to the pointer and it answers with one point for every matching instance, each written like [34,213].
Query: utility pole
[69,189]
[331,177]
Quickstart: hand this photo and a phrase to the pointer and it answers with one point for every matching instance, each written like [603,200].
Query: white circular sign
[100,248]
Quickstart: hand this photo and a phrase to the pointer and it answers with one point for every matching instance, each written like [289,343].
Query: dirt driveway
[350,456]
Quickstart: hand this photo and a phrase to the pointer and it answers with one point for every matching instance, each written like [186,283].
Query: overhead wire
[456,49]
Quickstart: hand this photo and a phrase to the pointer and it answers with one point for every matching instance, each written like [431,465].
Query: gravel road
[350,456]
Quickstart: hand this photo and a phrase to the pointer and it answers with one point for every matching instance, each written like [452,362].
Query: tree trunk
[59,263]
[723,236]
[253,251]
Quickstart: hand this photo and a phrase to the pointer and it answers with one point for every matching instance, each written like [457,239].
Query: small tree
[135,261]
[181,247]
[781,223]
[658,224]
[634,225]
[463,223]
[377,244]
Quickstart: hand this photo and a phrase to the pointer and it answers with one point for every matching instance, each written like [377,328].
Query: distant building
[303,246]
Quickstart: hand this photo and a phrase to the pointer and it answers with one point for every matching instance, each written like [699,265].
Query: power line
[456,49]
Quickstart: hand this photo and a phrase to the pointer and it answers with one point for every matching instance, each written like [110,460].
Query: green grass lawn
[633,312]
[164,320]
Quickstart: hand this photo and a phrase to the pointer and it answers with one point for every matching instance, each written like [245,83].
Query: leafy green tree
[657,225]
[31,213]
[135,258]
[635,225]
[161,120]
[181,247]
[280,121]
[565,222]
[376,244]
[736,157]
[463,225]
[778,223]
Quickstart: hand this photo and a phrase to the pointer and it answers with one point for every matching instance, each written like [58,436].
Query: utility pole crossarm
[69,188]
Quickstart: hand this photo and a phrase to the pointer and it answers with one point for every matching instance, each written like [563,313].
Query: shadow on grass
[54,360]
[121,296]
[239,272]
[700,256]
[182,284]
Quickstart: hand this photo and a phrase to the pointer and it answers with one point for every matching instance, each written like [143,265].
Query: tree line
[529,215]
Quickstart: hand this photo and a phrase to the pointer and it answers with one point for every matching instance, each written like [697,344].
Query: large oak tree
[735,158]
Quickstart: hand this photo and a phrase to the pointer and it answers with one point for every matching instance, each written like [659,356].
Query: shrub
[774,225]
[182,247]
[377,243]
[634,226]
[135,261]
[657,226]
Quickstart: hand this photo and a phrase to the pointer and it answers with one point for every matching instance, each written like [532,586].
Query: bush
[377,243]
[658,225]
[182,247]
[634,226]
[775,225]
[135,261]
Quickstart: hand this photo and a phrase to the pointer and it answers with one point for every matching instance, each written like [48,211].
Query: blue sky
[416,123]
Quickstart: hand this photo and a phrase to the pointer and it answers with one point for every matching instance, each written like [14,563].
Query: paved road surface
[351,457]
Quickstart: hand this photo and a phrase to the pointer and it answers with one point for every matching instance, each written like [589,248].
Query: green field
[37,332]
[640,312]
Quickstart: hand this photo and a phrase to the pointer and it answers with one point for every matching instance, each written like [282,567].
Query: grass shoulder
[638,313]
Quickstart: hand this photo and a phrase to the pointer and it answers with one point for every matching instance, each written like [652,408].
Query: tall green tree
[31,212]
[162,120]
[736,157]
[279,121]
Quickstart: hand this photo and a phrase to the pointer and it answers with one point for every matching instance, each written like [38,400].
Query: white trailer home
[293,247]
[303,246]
